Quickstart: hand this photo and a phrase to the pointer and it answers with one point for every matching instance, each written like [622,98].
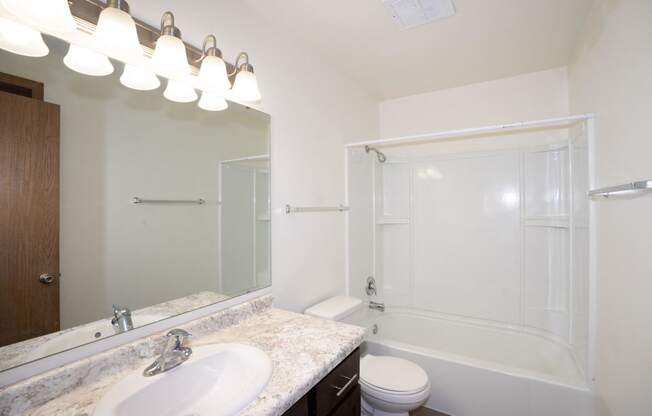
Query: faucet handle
[178,335]
[120,311]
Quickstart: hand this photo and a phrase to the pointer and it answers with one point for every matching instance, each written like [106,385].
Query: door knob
[48,278]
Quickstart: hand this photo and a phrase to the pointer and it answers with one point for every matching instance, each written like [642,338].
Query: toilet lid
[392,374]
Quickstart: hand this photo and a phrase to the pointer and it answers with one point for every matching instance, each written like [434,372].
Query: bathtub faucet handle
[371,286]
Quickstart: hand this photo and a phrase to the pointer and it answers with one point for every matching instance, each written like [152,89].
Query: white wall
[314,111]
[525,97]
[611,76]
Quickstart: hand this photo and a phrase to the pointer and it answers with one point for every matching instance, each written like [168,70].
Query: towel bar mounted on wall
[200,201]
[625,189]
[289,209]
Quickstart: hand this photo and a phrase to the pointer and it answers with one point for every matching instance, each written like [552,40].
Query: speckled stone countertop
[303,350]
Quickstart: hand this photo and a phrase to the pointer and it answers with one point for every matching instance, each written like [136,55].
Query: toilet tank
[336,308]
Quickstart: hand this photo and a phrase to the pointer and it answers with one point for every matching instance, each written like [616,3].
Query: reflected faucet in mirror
[121,321]
[173,355]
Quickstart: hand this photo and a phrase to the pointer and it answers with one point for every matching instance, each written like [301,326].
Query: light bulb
[116,35]
[21,39]
[140,79]
[180,92]
[212,101]
[212,75]
[245,87]
[170,59]
[87,62]
[50,15]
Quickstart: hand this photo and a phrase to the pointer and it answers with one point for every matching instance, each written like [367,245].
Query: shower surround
[484,239]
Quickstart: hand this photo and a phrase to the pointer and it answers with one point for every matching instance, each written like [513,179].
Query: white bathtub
[481,371]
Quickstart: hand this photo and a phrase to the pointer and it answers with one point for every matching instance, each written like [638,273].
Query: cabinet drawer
[337,385]
[351,406]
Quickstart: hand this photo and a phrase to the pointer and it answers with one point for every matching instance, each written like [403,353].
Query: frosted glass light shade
[212,101]
[140,79]
[87,62]
[116,35]
[53,15]
[21,39]
[245,87]
[212,75]
[170,59]
[180,92]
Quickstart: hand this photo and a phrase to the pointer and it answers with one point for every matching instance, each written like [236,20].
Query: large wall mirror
[119,208]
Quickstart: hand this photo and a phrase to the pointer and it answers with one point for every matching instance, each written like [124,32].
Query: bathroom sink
[217,380]
[84,334]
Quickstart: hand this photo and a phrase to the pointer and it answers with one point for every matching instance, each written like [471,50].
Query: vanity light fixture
[212,101]
[212,74]
[87,61]
[116,33]
[116,36]
[138,78]
[50,15]
[170,58]
[21,39]
[180,92]
[245,87]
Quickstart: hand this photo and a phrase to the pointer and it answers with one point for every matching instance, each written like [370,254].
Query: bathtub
[477,370]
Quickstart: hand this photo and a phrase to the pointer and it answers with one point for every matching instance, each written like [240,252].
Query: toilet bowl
[390,386]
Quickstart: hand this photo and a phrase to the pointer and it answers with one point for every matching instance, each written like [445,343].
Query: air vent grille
[409,14]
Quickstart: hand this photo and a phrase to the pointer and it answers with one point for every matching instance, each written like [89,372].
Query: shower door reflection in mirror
[120,208]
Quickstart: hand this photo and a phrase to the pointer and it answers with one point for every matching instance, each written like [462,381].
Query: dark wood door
[29,217]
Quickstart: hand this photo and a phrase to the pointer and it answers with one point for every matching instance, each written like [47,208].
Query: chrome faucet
[121,319]
[173,355]
[377,306]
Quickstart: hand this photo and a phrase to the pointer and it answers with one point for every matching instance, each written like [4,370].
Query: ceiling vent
[409,14]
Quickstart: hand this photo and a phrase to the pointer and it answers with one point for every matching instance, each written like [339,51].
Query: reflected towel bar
[290,209]
[627,188]
[137,200]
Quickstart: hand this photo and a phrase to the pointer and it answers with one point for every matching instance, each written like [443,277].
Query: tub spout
[377,306]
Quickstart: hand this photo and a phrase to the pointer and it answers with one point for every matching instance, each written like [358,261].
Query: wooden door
[29,217]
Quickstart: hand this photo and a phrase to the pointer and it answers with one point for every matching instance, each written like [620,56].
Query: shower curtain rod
[475,130]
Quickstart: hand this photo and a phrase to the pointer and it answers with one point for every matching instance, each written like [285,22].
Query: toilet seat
[392,376]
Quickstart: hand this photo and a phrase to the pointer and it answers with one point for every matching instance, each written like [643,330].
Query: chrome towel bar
[628,188]
[289,209]
[137,200]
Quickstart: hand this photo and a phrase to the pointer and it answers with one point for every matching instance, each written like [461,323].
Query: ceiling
[485,40]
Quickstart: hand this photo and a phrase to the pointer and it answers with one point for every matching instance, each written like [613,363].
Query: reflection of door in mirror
[29,211]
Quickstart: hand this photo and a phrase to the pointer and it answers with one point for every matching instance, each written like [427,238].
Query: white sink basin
[86,333]
[217,380]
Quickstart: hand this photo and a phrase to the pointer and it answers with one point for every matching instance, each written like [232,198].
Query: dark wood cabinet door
[300,408]
[29,218]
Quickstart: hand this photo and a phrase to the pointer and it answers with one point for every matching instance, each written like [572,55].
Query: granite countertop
[303,350]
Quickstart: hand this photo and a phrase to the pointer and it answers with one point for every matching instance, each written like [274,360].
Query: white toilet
[390,386]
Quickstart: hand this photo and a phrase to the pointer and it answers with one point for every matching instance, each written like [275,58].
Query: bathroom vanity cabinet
[337,394]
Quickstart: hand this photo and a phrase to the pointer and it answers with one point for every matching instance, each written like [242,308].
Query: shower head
[381,156]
